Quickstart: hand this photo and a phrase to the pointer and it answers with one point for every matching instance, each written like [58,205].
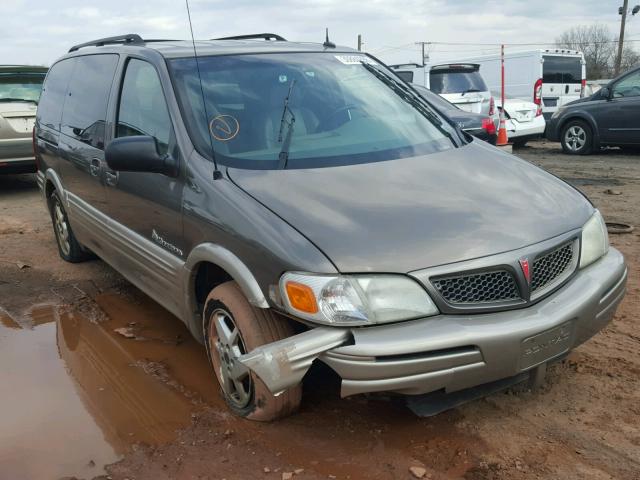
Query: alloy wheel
[61,228]
[575,138]
[226,342]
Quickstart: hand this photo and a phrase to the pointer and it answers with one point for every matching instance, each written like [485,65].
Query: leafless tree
[630,59]
[598,45]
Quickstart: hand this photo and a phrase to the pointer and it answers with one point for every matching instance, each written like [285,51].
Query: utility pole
[359,42]
[424,57]
[625,7]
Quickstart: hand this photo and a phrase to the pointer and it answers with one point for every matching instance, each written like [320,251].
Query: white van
[459,83]
[550,78]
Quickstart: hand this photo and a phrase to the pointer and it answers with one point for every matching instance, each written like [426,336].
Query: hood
[407,214]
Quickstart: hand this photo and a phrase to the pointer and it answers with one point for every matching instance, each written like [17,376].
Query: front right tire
[577,138]
[233,327]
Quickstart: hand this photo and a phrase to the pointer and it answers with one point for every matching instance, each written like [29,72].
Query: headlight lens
[595,240]
[355,299]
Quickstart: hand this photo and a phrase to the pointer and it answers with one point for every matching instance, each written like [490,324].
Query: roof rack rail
[252,36]
[130,38]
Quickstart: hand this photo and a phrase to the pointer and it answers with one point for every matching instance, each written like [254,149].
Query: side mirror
[139,154]
[605,93]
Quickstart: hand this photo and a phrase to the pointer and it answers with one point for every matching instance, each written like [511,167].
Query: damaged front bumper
[450,352]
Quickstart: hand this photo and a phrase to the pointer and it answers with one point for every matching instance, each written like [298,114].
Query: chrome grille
[551,266]
[486,287]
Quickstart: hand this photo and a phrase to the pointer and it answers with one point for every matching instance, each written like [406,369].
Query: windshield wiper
[7,99]
[283,156]
[411,97]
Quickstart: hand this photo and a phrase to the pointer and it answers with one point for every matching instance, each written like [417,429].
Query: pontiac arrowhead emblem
[524,264]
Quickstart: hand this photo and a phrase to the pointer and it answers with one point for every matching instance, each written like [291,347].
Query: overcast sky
[39,31]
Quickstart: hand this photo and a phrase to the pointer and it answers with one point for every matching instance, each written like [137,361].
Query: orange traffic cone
[503,138]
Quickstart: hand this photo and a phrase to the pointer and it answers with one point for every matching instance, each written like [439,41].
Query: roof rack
[252,36]
[130,39]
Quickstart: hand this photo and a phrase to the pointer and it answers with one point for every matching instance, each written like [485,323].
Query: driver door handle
[111,178]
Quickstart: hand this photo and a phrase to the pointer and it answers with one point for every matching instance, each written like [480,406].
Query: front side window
[85,108]
[443,81]
[628,86]
[143,108]
[302,110]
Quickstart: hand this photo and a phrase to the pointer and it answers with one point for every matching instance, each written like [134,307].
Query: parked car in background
[523,119]
[476,124]
[549,78]
[609,117]
[460,84]
[20,88]
[295,203]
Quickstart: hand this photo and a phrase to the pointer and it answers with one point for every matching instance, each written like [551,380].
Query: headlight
[355,299]
[595,240]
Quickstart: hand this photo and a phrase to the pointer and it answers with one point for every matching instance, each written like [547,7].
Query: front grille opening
[485,287]
[551,266]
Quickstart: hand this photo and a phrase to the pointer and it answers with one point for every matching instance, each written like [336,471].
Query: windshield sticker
[282,79]
[355,59]
[224,127]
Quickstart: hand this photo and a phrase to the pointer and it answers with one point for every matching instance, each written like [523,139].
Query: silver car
[20,88]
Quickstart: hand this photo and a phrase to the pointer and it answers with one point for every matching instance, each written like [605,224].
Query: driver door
[618,118]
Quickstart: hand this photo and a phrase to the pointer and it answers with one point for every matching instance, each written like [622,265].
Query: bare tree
[596,42]
[630,59]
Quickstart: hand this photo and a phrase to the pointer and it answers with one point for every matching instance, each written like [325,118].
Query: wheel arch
[208,266]
[52,182]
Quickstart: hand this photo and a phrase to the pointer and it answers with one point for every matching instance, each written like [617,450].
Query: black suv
[295,202]
[609,117]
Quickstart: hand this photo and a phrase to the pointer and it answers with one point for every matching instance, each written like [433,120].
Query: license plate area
[546,345]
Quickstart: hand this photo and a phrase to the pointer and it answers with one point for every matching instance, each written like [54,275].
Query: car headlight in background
[354,300]
[595,240]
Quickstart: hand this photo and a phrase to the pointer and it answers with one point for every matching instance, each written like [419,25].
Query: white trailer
[549,77]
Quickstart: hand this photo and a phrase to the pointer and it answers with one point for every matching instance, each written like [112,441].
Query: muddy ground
[78,399]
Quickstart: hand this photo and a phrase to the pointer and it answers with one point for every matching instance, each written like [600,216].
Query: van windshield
[323,109]
[454,80]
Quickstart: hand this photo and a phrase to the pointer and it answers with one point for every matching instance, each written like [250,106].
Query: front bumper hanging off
[450,352]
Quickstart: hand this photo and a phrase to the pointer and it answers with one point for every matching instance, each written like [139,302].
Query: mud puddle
[77,395]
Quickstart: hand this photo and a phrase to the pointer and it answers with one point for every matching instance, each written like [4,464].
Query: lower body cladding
[451,352]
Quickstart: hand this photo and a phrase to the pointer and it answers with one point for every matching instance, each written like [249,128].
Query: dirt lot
[79,399]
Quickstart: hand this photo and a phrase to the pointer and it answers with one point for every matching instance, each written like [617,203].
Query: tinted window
[456,81]
[54,92]
[85,109]
[406,76]
[628,86]
[143,109]
[561,69]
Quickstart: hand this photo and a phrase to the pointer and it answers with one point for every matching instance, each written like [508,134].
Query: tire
[247,327]
[576,138]
[519,143]
[68,246]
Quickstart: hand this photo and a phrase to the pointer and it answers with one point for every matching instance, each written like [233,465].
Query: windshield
[456,81]
[435,99]
[303,110]
[21,87]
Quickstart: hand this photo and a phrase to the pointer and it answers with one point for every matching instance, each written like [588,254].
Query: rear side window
[143,109]
[85,109]
[561,69]
[406,76]
[54,92]
[456,81]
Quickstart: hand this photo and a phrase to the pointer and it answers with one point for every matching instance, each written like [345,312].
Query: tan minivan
[20,88]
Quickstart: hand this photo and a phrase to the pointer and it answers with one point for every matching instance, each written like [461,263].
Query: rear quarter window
[54,93]
[85,109]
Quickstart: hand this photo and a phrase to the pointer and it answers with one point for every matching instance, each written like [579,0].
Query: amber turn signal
[301,297]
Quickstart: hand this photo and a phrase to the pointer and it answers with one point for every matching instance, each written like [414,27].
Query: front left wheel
[233,327]
[576,138]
